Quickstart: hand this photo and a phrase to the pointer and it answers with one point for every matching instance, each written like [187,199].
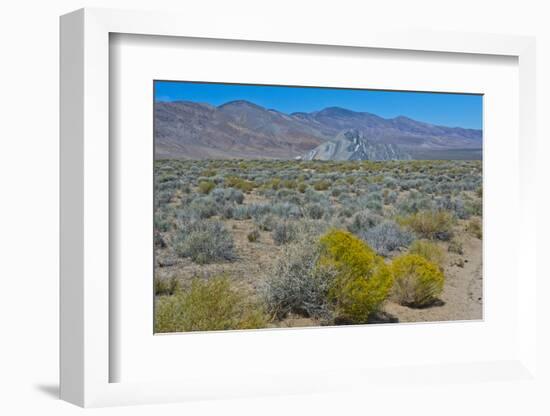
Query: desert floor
[462,297]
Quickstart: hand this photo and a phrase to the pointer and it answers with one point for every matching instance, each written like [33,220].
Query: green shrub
[274,184]
[253,235]
[429,250]
[239,183]
[166,286]
[289,184]
[208,173]
[321,185]
[475,228]
[207,306]
[302,187]
[362,280]
[430,224]
[417,282]
[205,187]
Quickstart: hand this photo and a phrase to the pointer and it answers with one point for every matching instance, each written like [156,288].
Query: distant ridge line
[243,129]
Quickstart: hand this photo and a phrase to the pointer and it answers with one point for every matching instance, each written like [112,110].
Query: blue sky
[454,110]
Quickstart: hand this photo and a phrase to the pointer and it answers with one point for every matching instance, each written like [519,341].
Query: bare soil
[462,297]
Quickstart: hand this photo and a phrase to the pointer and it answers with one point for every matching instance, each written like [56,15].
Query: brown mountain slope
[240,129]
[234,130]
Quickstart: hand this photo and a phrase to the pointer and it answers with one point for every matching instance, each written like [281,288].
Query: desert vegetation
[243,244]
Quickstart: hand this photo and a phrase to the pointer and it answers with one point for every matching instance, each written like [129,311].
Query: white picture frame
[86,355]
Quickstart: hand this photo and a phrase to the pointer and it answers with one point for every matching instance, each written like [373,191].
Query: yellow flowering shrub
[417,281]
[205,187]
[362,280]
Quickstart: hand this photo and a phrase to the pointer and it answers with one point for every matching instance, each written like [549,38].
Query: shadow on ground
[383,318]
[375,318]
[51,390]
[436,303]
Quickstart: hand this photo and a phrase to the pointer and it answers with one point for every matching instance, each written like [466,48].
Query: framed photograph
[281,212]
[284,206]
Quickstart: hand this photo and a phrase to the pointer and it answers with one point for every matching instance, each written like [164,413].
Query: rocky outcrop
[354,145]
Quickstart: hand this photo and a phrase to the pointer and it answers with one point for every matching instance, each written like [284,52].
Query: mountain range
[244,130]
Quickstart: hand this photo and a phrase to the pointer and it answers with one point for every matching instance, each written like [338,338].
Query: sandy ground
[462,297]
[247,271]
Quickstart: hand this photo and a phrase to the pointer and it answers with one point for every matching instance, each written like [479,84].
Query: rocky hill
[354,145]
